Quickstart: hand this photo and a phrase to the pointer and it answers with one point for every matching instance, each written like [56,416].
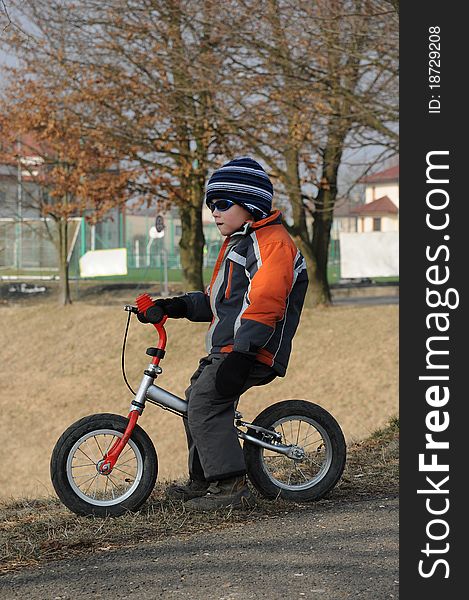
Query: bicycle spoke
[309,434]
[284,436]
[298,433]
[88,457]
[96,488]
[113,482]
[312,443]
[122,471]
[115,485]
[78,476]
[109,479]
[99,447]
[89,487]
[89,447]
[317,440]
[127,449]
[110,443]
[121,464]
[89,479]
[318,465]
[298,469]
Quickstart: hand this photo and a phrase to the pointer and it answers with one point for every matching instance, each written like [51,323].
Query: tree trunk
[192,240]
[315,248]
[324,213]
[314,295]
[299,230]
[320,250]
[64,284]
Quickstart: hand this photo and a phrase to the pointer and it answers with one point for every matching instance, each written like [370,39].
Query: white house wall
[375,191]
[365,224]
[369,255]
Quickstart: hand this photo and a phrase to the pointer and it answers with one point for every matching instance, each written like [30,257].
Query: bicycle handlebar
[157,316]
[130,308]
[158,319]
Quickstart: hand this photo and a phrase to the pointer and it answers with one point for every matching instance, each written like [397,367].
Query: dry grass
[60,364]
[373,465]
[34,531]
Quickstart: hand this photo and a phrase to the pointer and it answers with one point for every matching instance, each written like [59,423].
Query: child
[253,305]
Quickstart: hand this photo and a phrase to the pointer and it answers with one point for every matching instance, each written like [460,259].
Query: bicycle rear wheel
[310,428]
[77,479]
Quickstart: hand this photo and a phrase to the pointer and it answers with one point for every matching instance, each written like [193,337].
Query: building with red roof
[388,175]
[381,209]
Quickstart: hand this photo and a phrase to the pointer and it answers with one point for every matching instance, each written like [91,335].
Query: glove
[233,373]
[175,308]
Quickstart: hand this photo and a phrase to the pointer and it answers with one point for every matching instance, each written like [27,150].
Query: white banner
[374,254]
[98,263]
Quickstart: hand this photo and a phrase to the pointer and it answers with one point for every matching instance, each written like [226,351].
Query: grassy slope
[34,531]
[60,364]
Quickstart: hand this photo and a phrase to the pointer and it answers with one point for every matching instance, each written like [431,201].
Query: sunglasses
[220,205]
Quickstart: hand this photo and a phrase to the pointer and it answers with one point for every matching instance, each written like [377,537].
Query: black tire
[73,466]
[275,475]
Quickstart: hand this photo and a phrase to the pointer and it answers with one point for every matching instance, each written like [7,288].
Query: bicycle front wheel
[75,467]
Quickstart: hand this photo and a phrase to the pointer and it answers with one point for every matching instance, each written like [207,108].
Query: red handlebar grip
[144,302]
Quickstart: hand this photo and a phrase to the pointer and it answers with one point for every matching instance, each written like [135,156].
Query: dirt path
[332,551]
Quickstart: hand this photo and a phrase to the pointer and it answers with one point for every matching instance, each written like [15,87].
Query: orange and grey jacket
[256,294]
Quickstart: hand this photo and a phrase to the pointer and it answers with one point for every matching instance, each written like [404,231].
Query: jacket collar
[274,218]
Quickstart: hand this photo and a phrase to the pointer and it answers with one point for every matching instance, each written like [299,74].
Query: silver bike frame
[149,391]
[165,398]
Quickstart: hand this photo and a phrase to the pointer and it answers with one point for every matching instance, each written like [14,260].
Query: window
[377,224]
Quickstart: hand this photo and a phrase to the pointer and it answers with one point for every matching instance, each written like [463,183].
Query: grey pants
[214,449]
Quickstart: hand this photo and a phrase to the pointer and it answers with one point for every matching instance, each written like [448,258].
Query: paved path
[362,300]
[332,552]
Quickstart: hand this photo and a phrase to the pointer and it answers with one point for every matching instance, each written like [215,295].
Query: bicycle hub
[103,467]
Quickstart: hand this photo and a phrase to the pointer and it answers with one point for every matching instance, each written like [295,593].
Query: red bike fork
[112,455]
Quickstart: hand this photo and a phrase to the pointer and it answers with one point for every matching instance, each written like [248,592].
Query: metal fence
[28,248]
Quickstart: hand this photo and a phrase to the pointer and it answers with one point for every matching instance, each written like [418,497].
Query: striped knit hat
[244,182]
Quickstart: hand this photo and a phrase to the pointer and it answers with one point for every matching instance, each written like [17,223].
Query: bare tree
[148,69]
[307,81]
[176,87]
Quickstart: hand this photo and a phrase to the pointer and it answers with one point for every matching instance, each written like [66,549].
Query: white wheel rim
[89,485]
[296,470]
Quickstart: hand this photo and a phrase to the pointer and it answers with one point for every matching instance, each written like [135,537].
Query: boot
[192,489]
[226,493]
